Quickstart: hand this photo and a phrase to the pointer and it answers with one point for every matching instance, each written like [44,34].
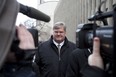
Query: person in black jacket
[53,55]
[84,63]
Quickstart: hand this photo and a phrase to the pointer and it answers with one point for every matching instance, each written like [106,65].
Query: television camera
[86,32]
[106,33]
[33,13]
[8,13]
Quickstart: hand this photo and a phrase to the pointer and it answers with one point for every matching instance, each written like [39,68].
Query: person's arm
[26,42]
[95,66]
[73,66]
[77,60]
[23,47]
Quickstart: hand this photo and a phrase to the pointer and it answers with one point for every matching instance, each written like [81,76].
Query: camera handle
[99,15]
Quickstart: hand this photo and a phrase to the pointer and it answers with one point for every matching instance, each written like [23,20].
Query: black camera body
[86,32]
[84,38]
[34,33]
[107,34]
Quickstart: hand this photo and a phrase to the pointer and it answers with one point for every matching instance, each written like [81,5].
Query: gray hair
[59,24]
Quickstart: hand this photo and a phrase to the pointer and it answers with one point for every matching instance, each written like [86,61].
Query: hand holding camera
[25,38]
[95,58]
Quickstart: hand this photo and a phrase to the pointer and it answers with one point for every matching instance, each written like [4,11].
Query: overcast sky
[33,3]
[21,18]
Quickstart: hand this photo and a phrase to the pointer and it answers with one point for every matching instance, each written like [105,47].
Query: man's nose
[58,33]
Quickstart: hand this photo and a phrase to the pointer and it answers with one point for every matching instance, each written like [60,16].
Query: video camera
[10,53]
[86,32]
[85,38]
[107,34]
[33,13]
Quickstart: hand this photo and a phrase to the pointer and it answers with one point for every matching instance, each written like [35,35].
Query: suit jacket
[50,62]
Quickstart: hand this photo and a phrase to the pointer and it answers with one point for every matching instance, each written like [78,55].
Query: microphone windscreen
[39,15]
[34,13]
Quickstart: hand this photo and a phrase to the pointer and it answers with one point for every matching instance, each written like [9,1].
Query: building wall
[74,12]
[66,11]
[45,28]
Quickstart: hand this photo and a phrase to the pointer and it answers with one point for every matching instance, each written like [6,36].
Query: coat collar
[65,41]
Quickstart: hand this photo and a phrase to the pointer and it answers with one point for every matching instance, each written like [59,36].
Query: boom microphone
[33,13]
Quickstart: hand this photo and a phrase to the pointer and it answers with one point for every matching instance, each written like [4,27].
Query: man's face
[59,34]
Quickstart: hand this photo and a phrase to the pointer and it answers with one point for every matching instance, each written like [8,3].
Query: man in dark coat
[53,55]
[84,63]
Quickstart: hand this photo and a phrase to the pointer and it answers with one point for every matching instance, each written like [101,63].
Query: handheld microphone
[33,13]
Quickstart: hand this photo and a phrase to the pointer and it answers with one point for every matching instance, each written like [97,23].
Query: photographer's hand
[95,58]
[25,38]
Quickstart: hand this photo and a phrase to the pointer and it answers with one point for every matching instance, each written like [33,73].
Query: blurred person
[53,55]
[18,62]
[84,63]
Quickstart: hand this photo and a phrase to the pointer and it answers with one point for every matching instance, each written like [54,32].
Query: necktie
[59,50]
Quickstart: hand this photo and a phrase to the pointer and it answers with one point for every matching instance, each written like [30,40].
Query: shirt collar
[61,44]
